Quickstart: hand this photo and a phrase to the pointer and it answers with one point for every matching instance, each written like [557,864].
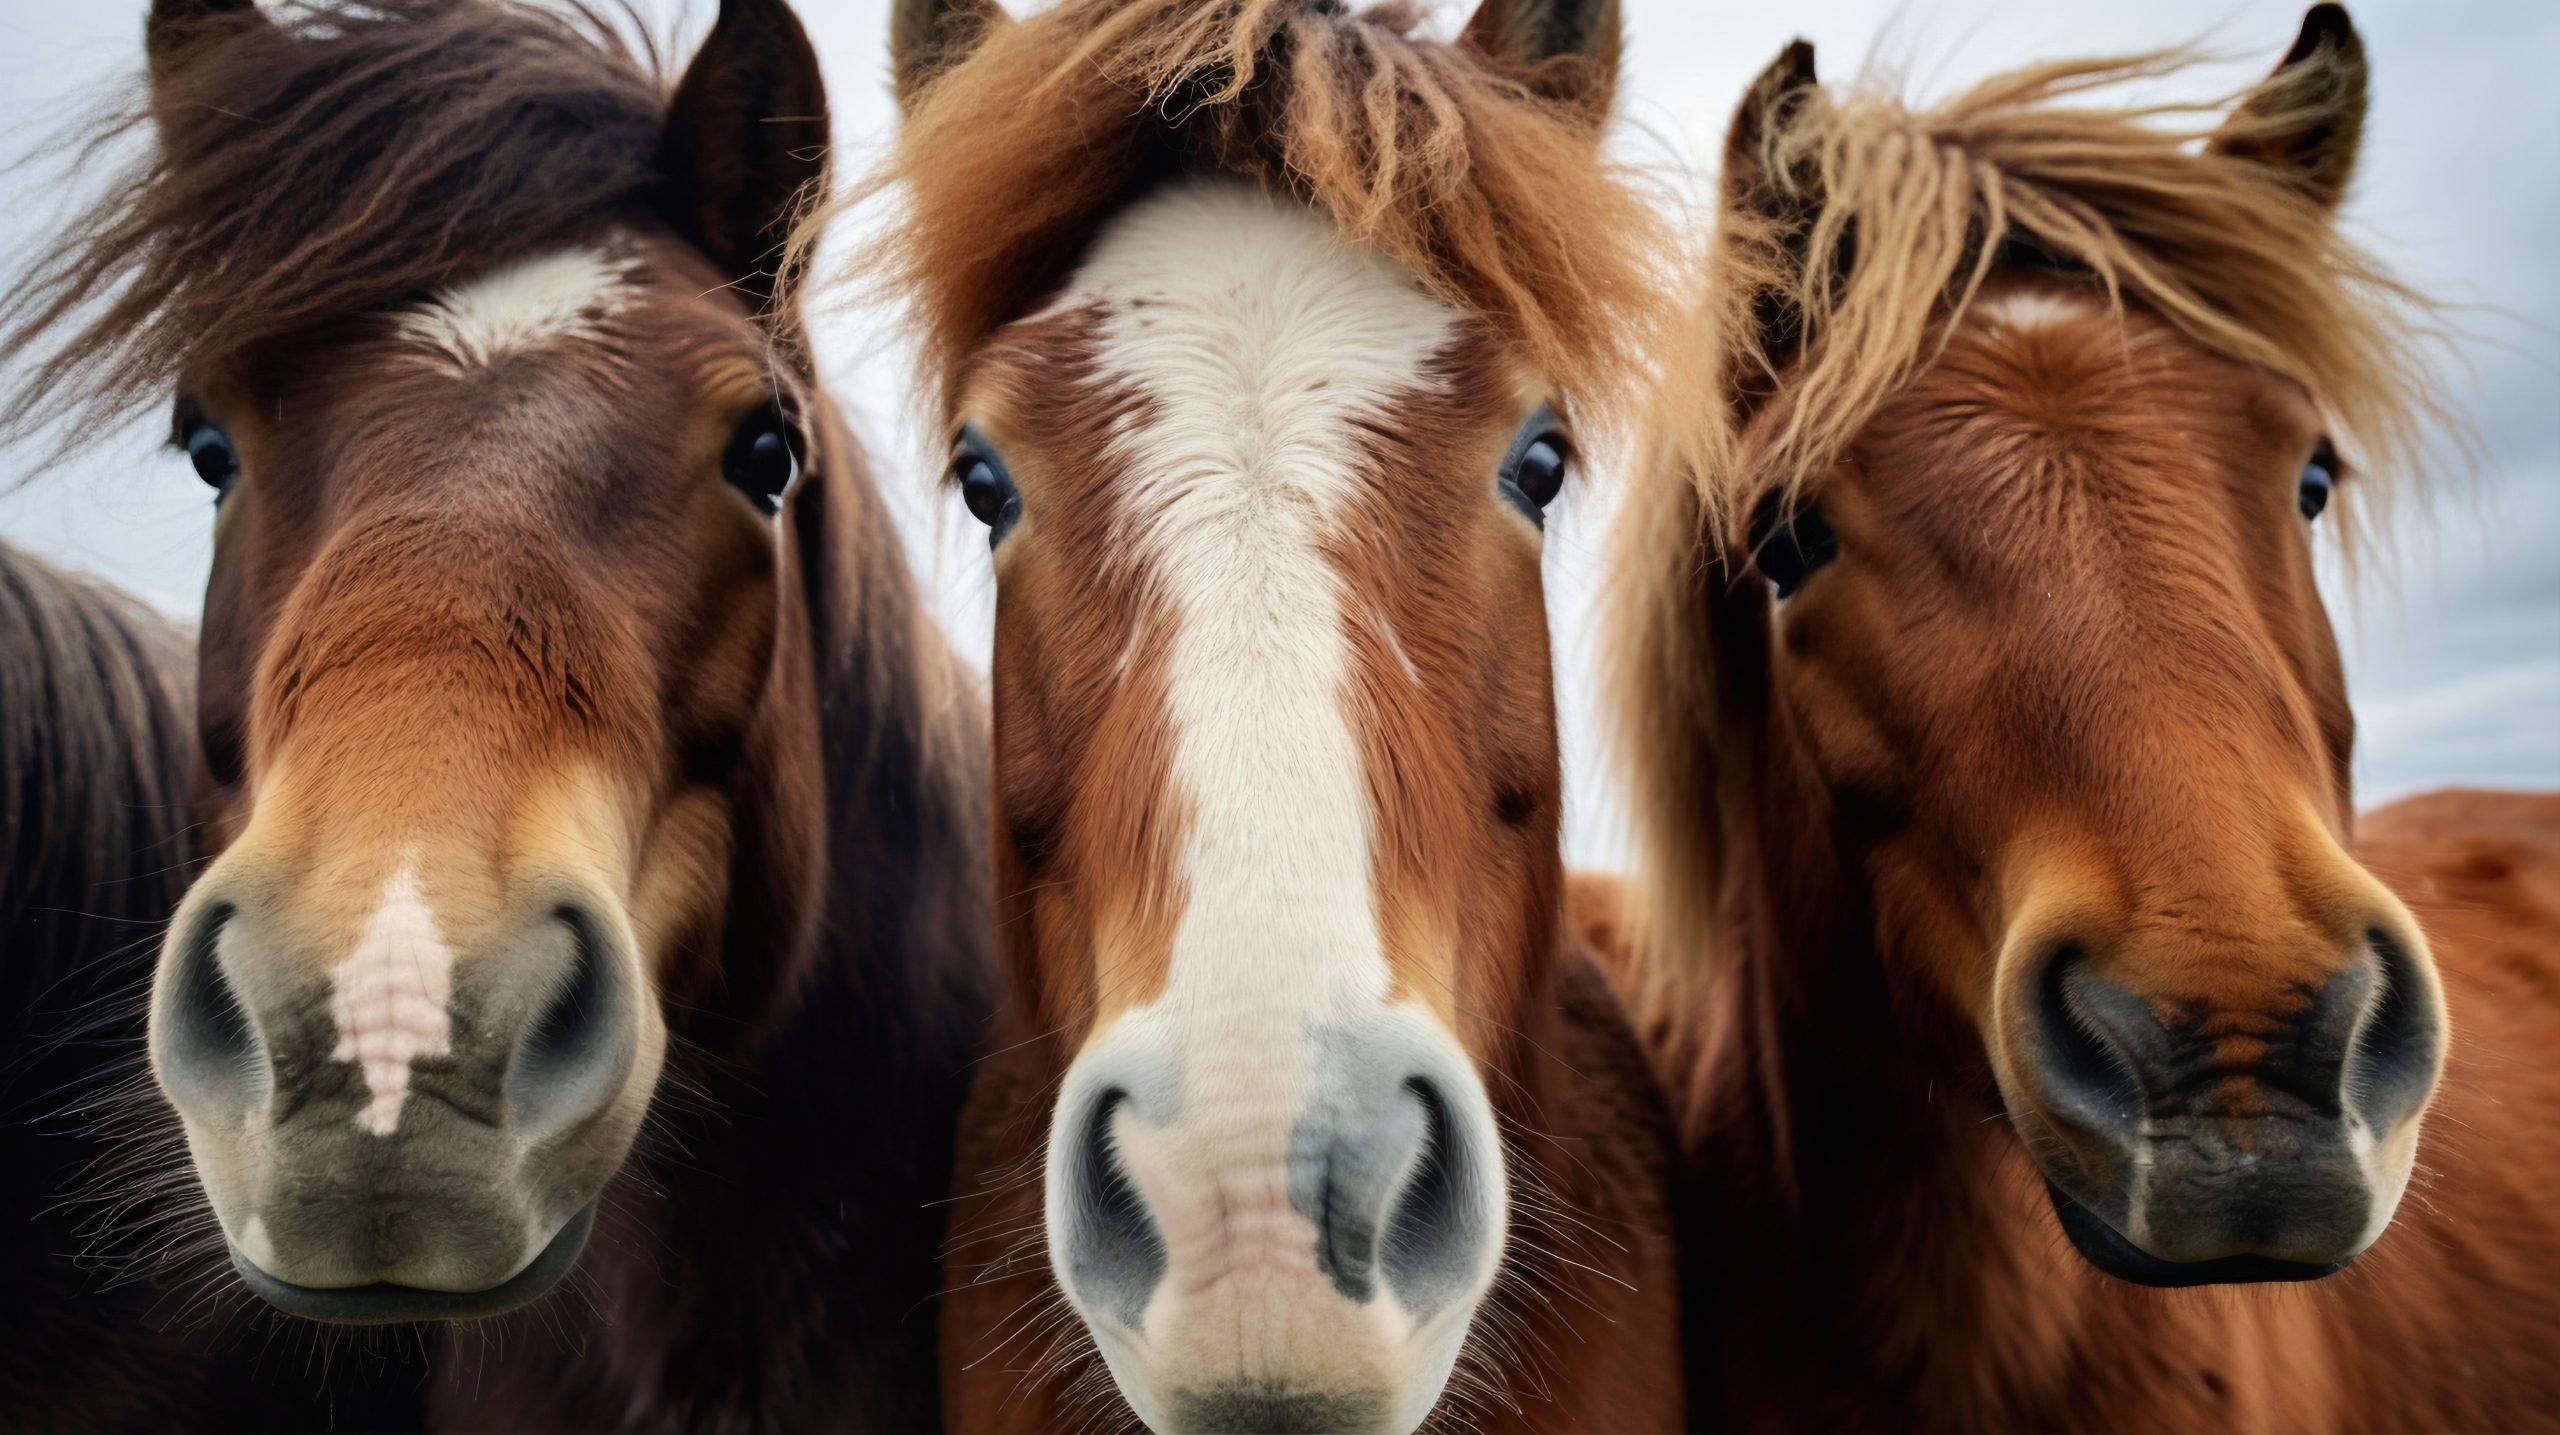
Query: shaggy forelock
[1432,153]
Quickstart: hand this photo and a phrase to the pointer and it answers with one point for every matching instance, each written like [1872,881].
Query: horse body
[2006,933]
[595,897]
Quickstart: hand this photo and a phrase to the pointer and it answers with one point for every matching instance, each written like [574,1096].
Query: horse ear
[1571,47]
[927,37]
[745,143]
[2307,118]
[177,26]
[1780,207]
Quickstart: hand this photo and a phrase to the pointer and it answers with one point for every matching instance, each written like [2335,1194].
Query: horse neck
[902,731]
[1849,1125]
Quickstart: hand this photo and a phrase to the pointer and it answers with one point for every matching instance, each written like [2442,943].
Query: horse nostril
[580,1045]
[1434,1229]
[2391,1068]
[209,1053]
[1115,1254]
[2078,1065]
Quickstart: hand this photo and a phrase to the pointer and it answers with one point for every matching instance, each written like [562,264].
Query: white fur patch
[392,997]
[2033,308]
[1260,341]
[525,305]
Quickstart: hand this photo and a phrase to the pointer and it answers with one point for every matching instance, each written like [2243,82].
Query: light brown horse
[1264,332]
[571,729]
[2002,894]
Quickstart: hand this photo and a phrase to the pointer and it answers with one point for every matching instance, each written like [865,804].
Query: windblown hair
[1905,212]
[1434,154]
[337,159]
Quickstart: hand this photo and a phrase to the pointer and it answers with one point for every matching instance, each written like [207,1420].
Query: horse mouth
[384,1303]
[2110,1251]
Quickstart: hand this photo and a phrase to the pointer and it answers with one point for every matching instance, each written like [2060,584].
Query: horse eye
[210,450]
[989,493]
[1788,546]
[763,458]
[2319,475]
[1534,472]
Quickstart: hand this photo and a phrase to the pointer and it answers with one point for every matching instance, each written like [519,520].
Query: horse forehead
[544,299]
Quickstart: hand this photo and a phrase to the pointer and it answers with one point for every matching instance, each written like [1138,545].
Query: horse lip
[384,1303]
[2108,1249]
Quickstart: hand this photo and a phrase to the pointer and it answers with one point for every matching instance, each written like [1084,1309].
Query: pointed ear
[745,143]
[178,26]
[1570,47]
[2307,119]
[927,37]
[1779,208]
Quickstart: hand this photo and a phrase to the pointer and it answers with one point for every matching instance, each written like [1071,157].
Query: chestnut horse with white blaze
[2003,896]
[1263,332]
[571,728]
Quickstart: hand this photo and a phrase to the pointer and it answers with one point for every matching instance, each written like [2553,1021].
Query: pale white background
[2455,663]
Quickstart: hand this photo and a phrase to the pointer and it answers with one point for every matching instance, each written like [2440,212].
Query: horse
[594,815]
[2004,930]
[1263,335]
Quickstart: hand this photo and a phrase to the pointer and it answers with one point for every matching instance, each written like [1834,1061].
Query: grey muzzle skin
[2234,1146]
[1369,1137]
[482,1195]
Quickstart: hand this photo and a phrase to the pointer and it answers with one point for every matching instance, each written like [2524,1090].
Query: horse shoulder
[2459,1295]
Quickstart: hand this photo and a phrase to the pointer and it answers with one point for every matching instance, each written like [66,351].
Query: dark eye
[210,450]
[1533,473]
[2318,477]
[986,488]
[763,457]
[1788,544]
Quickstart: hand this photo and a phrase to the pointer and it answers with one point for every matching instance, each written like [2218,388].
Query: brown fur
[2072,626]
[516,618]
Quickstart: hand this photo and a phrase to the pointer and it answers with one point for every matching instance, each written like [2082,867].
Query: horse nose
[535,1032]
[1392,1190]
[2207,1128]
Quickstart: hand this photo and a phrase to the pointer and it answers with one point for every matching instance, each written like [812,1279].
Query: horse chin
[2111,1251]
[384,1303]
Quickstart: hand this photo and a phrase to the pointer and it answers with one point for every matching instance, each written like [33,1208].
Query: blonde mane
[1853,233]
[1466,170]
[1911,209]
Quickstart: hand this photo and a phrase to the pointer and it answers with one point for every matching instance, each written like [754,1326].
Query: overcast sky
[2454,660]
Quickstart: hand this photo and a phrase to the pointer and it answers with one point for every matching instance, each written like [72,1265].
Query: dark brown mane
[344,159]
[1431,153]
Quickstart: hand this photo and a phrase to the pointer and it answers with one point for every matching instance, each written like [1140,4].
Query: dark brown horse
[1264,333]
[595,817]
[2012,941]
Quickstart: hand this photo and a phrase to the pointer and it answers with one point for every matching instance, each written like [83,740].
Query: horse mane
[1836,277]
[1908,210]
[1432,153]
[97,740]
[339,158]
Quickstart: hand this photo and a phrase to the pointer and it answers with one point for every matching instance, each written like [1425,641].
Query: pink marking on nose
[391,999]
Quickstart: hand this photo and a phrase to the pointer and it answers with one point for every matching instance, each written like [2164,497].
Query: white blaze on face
[523,305]
[1261,342]
[392,998]
[1265,350]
